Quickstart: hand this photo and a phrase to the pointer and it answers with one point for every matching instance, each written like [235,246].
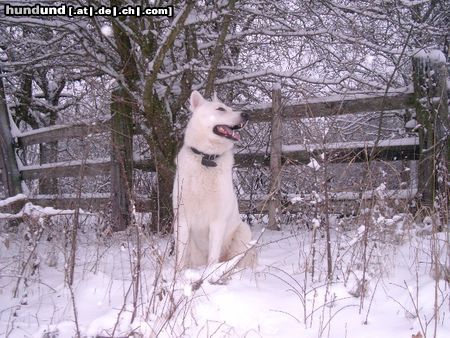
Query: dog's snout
[245,116]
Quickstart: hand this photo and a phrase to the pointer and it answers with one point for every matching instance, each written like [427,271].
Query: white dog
[207,227]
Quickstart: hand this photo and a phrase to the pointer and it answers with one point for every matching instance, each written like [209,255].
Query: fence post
[430,91]
[10,171]
[121,159]
[275,161]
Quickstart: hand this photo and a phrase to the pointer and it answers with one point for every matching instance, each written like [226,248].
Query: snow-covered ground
[280,297]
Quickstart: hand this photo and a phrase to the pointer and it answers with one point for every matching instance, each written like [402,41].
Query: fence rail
[338,105]
[59,132]
[395,149]
[345,203]
[73,168]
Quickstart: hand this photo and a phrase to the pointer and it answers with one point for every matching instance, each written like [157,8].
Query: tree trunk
[163,144]
[10,172]
[161,198]
[275,162]
[122,127]
[121,159]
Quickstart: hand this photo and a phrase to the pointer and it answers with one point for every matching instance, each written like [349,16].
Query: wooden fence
[429,98]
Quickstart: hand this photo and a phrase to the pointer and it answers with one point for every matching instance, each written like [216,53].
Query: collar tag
[207,160]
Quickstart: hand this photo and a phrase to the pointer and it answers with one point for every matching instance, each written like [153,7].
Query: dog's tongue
[226,131]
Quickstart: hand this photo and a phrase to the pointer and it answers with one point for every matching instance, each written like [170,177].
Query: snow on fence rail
[58,132]
[343,203]
[74,167]
[338,105]
[338,152]
[413,148]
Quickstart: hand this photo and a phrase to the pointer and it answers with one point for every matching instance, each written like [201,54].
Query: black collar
[207,160]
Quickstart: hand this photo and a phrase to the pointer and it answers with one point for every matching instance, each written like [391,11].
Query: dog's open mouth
[231,133]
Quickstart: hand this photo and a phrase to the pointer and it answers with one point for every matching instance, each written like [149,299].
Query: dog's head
[213,127]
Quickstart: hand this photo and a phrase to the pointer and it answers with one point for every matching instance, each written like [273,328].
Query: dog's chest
[204,188]
[206,183]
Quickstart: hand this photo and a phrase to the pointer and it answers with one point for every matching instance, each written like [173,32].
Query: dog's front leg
[216,237]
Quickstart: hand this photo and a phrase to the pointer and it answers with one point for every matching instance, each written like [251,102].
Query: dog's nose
[245,116]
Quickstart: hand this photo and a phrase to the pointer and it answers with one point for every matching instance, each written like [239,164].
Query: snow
[107,30]
[411,124]
[434,55]
[437,56]
[34,211]
[277,298]
[89,162]
[31,209]
[14,129]
[367,194]
[314,164]
[333,99]
[290,148]
[11,200]
[351,145]
[63,196]
[47,166]
[43,130]
[85,122]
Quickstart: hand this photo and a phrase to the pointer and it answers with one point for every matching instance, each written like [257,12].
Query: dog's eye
[221,109]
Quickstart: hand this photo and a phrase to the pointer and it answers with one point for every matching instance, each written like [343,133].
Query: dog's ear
[196,99]
[215,98]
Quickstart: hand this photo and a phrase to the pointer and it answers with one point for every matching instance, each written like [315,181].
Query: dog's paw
[221,273]
[192,281]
